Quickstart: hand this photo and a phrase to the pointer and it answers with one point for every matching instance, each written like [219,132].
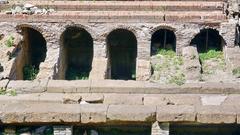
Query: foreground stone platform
[13,113]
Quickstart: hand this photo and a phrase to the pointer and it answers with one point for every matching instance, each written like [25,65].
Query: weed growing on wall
[167,67]
[30,72]
[10,41]
[236,72]
[9,92]
[212,61]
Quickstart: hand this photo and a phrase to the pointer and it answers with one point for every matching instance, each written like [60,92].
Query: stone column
[62,130]
[160,128]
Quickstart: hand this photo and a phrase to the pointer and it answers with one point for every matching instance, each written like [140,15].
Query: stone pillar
[10,130]
[228,32]
[100,60]
[160,128]
[62,130]
[143,65]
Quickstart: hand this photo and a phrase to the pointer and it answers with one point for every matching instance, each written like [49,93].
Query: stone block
[172,99]
[68,86]
[92,97]
[131,113]
[39,113]
[93,113]
[99,68]
[128,99]
[172,113]
[35,86]
[216,114]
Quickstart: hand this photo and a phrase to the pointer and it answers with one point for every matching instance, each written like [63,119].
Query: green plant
[211,54]
[178,79]
[73,74]
[166,52]
[9,42]
[29,72]
[12,92]
[236,72]
[2,91]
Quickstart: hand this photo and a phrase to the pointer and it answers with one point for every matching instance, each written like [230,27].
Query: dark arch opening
[163,39]
[34,52]
[208,39]
[77,54]
[122,53]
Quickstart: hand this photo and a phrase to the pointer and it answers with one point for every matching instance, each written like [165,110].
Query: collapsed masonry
[137,50]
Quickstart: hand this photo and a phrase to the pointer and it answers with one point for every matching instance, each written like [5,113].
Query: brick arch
[129,28]
[89,30]
[203,28]
[168,27]
[38,29]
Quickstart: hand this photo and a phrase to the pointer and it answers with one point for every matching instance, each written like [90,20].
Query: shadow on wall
[76,54]
[122,54]
[32,53]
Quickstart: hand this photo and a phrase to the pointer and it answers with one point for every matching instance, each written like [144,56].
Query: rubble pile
[29,9]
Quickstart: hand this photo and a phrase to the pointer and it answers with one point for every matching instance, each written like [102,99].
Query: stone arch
[76,50]
[163,37]
[33,52]
[165,26]
[122,54]
[208,38]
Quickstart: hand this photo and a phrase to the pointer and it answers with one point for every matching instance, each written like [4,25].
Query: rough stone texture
[48,113]
[228,32]
[93,113]
[68,86]
[93,97]
[192,66]
[134,113]
[176,113]
[36,86]
[216,114]
[160,129]
[143,70]
[232,57]
[99,69]
[129,99]
[4,83]
[171,99]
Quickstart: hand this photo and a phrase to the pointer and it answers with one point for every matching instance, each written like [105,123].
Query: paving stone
[128,99]
[93,113]
[173,113]
[134,113]
[216,114]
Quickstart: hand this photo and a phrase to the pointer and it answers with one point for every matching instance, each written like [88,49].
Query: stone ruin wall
[184,32]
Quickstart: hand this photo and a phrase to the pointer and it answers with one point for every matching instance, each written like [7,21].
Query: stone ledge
[13,113]
[120,86]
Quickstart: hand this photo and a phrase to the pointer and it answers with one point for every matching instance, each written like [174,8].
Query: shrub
[211,54]
[236,72]
[73,74]
[178,79]
[30,72]
[9,42]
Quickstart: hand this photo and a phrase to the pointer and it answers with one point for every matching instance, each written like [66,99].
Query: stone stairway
[146,11]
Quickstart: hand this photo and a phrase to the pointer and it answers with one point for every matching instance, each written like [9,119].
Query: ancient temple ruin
[164,67]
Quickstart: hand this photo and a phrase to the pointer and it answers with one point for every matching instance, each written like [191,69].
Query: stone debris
[29,9]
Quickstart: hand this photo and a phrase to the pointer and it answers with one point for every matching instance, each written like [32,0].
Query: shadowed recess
[122,53]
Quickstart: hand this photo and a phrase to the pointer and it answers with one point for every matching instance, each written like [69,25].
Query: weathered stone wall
[52,32]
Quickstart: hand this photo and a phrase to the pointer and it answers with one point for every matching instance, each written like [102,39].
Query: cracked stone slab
[134,113]
[174,113]
[213,99]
